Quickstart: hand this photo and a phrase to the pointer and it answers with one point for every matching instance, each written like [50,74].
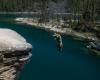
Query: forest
[84,14]
[35,5]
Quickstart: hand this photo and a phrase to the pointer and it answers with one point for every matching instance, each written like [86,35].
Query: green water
[73,63]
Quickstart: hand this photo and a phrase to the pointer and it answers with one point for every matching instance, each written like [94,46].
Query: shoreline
[36,13]
[56,28]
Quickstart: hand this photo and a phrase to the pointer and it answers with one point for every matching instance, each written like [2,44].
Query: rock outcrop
[14,53]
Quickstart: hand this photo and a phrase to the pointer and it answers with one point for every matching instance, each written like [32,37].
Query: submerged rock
[14,53]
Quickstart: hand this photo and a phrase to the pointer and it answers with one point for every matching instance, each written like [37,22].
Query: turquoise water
[73,63]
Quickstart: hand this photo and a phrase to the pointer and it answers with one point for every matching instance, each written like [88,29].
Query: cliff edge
[14,53]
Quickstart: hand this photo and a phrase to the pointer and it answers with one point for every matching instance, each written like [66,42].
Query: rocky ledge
[14,53]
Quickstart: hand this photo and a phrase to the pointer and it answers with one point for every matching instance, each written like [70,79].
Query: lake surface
[73,63]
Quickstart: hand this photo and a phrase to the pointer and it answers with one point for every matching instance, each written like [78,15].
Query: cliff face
[14,53]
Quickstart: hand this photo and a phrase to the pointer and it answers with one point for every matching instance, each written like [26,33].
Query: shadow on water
[73,63]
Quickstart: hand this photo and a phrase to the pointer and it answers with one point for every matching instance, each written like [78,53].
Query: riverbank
[54,26]
[49,64]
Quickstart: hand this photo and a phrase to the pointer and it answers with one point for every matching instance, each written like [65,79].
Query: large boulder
[14,53]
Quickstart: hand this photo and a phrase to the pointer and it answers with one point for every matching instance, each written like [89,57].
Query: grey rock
[14,53]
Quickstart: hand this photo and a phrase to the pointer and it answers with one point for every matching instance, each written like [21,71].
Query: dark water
[74,63]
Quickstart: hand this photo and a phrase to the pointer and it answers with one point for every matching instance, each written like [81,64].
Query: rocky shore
[14,54]
[56,27]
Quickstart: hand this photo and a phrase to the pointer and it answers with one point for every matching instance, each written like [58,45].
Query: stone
[15,51]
